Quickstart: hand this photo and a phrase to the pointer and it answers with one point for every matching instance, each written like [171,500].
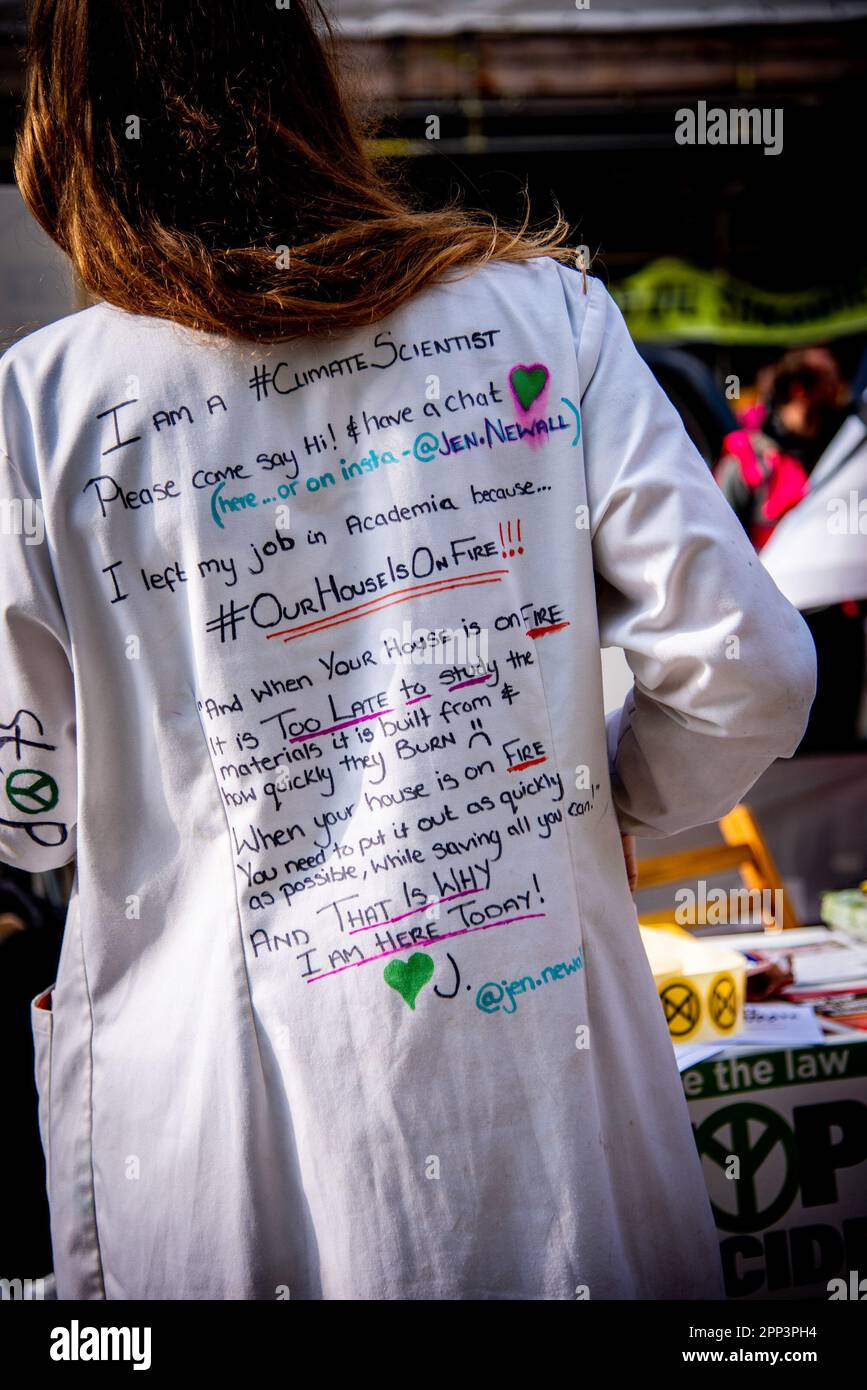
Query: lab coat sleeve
[723,666]
[38,788]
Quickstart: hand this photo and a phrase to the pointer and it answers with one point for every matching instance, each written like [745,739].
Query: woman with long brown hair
[340,498]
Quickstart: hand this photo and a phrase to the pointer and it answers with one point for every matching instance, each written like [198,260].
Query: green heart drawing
[528,383]
[409,977]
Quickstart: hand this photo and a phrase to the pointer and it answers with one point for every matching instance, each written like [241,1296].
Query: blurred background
[726,259]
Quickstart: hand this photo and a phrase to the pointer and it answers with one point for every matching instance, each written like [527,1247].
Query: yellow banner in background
[670,301]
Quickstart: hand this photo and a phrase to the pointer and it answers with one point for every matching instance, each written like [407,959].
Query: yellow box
[701,985]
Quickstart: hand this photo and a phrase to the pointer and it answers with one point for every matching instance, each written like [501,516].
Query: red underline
[427,585]
[535,632]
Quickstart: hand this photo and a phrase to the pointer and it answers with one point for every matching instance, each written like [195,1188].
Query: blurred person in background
[765,465]
[764,471]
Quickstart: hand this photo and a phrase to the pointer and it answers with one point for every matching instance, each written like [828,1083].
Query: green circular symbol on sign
[755,1133]
[31,792]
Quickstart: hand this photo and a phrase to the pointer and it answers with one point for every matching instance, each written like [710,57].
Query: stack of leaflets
[829,980]
[847,911]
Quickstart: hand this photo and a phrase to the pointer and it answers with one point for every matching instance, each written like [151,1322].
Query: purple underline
[476,680]
[388,921]
[464,931]
[335,728]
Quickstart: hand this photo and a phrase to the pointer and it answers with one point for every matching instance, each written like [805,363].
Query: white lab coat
[352,1001]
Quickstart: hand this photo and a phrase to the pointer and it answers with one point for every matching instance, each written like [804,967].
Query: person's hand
[630,860]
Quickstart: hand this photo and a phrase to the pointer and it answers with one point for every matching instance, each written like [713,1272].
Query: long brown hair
[203,162]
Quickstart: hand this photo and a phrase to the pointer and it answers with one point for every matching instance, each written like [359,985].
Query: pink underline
[416,699]
[387,923]
[431,941]
[335,728]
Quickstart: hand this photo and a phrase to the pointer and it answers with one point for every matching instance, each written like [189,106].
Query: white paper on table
[690,1054]
[791,1025]
[827,964]
[819,956]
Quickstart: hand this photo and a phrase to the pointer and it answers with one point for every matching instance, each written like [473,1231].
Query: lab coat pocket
[42,1024]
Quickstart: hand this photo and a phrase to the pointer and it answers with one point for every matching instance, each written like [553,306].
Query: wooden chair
[744,849]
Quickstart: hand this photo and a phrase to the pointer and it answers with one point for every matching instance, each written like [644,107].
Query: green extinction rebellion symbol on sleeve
[31,791]
[768,1153]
